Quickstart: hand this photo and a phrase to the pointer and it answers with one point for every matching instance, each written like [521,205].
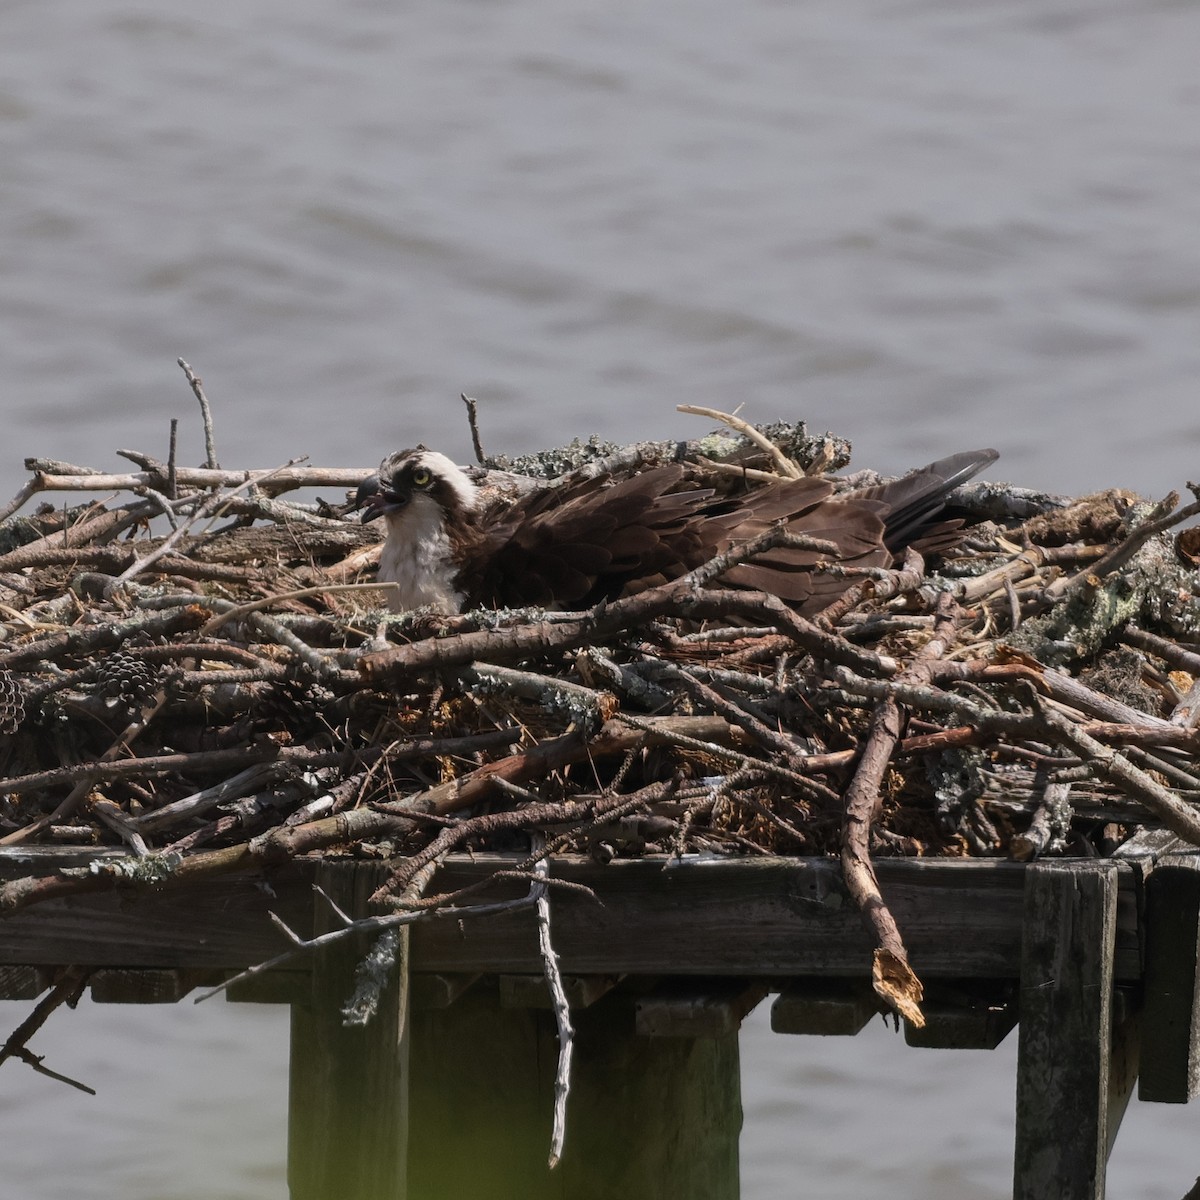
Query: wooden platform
[1096,959]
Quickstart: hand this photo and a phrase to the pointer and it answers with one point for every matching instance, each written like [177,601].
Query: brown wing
[574,545]
[582,542]
[806,506]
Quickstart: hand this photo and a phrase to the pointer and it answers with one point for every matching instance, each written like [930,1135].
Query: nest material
[189,689]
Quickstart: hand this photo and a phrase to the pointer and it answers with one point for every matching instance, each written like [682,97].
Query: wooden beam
[1065,1046]
[765,917]
[826,1007]
[348,1106]
[768,917]
[221,923]
[1171,1029]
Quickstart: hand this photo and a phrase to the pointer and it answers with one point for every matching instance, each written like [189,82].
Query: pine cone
[125,676]
[292,702]
[12,703]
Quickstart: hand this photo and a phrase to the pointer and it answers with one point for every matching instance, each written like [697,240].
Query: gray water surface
[924,225]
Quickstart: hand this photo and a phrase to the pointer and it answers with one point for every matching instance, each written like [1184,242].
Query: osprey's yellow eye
[421,478]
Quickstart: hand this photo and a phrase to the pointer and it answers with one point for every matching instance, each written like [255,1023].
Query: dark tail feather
[914,500]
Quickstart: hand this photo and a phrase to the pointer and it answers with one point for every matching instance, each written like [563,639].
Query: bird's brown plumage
[590,539]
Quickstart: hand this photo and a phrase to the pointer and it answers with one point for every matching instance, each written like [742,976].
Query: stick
[787,468]
[562,1011]
[206,415]
[66,990]
[543,637]
[203,478]
[172,464]
[893,979]
[473,419]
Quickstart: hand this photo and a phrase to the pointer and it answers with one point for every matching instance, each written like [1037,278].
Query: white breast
[416,558]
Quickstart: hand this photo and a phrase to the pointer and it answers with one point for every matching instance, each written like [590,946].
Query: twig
[892,977]
[490,824]
[84,785]
[376,925]
[210,506]
[172,463]
[204,478]
[1182,819]
[66,990]
[236,611]
[1050,824]
[27,492]
[210,450]
[473,419]
[566,632]
[787,468]
[562,1011]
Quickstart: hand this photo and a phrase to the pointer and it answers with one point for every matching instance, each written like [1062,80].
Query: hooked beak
[375,500]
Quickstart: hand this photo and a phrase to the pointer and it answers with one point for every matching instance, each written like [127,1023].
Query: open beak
[375,500]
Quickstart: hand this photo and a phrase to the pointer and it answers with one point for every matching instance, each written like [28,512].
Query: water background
[924,225]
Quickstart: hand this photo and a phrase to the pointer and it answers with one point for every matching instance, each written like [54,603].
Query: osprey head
[415,478]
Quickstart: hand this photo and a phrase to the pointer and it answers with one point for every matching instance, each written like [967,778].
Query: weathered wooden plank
[348,1109]
[826,1007]
[1150,843]
[1063,1059]
[1171,1028]
[697,1010]
[755,917]
[481,1098]
[530,991]
[767,917]
[223,923]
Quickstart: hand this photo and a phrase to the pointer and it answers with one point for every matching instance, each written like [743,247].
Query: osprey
[590,539]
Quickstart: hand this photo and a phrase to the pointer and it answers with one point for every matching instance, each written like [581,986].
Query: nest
[199,671]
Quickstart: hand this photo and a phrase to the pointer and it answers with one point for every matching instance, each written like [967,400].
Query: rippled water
[922,224]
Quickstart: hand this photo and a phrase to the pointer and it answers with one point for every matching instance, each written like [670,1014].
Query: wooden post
[646,1116]
[347,1112]
[1171,1038]
[1069,1099]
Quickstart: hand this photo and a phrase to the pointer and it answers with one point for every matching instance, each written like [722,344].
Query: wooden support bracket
[147,986]
[433,989]
[280,986]
[530,991]
[697,1009]
[23,983]
[825,1007]
[971,1015]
